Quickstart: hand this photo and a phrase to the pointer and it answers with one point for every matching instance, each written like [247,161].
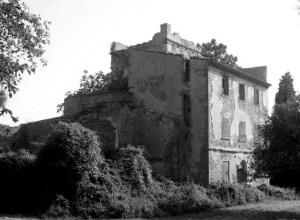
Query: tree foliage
[218,52]
[97,83]
[286,90]
[278,156]
[23,36]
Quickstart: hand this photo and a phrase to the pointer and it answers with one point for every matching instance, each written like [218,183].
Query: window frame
[242,131]
[225,85]
[256,96]
[242,91]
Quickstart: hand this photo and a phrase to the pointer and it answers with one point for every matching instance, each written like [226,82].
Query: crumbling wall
[241,116]
[156,81]
[168,42]
[32,136]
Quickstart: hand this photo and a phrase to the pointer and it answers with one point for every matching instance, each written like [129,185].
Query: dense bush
[134,169]
[16,185]
[278,192]
[185,198]
[67,163]
[235,194]
[70,177]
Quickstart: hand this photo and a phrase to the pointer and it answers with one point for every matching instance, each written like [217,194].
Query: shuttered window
[225,129]
[242,131]
[256,96]
[225,84]
[242,92]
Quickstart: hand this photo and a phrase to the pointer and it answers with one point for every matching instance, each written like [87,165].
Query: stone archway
[105,130]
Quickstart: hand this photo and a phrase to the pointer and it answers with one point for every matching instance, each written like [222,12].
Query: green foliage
[235,194]
[70,177]
[286,90]
[278,193]
[185,198]
[218,52]
[23,36]
[97,83]
[59,208]
[134,169]
[71,155]
[278,155]
[15,186]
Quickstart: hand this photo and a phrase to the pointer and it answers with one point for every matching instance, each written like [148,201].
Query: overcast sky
[258,32]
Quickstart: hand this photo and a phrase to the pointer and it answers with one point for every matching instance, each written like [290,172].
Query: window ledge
[225,138]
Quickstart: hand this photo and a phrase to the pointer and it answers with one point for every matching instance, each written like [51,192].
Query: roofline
[238,72]
[146,51]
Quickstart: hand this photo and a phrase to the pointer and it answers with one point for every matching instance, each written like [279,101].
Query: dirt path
[270,210]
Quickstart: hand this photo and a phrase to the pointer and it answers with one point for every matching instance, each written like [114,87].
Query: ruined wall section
[103,114]
[168,42]
[227,114]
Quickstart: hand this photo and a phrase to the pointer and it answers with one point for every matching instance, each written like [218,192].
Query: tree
[97,83]
[23,37]
[286,90]
[278,156]
[218,52]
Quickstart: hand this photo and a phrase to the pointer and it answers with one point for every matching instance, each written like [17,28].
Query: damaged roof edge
[238,72]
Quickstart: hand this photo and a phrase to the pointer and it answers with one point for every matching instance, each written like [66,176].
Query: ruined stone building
[197,119]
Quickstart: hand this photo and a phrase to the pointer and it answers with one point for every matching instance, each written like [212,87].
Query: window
[225,84]
[256,96]
[186,71]
[187,110]
[242,92]
[242,131]
[225,129]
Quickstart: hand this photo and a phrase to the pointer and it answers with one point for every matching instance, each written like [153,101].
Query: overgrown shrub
[134,169]
[70,177]
[67,163]
[235,194]
[186,198]
[16,185]
[278,192]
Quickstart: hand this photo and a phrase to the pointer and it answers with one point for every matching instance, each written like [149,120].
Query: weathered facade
[196,118]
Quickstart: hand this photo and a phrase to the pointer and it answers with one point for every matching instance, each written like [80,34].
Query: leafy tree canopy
[23,36]
[218,52]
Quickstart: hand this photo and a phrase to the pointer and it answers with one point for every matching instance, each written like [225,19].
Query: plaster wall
[232,149]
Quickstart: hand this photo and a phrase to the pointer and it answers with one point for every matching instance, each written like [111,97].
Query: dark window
[242,131]
[225,129]
[225,85]
[186,71]
[242,92]
[187,110]
[256,96]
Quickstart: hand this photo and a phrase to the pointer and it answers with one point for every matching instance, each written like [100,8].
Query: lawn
[268,210]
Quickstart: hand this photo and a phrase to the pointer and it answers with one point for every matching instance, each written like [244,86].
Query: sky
[258,32]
